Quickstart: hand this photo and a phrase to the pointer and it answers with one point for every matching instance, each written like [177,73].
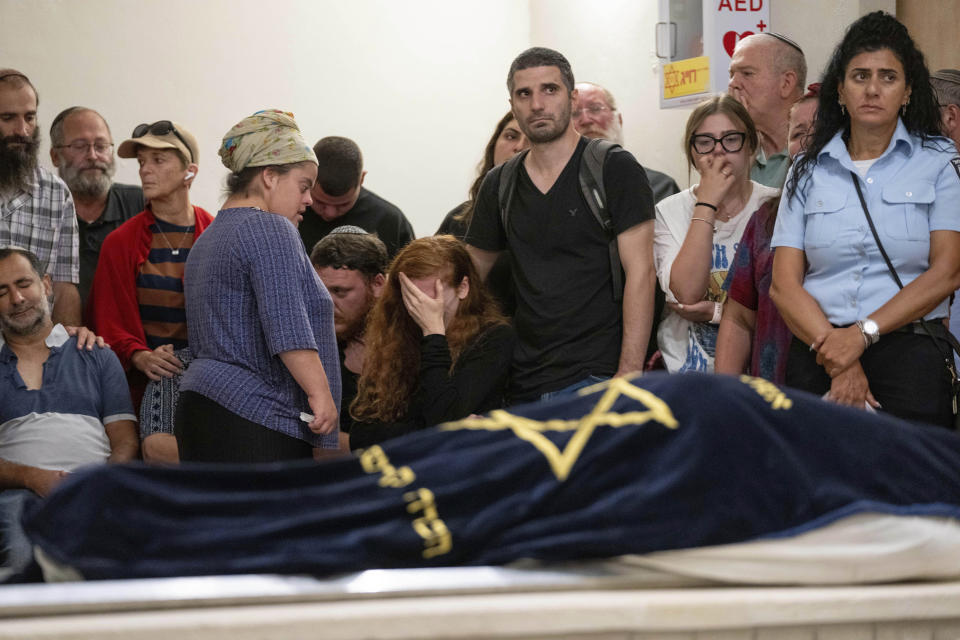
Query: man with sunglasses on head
[36,210]
[768,72]
[81,148]
[136,302]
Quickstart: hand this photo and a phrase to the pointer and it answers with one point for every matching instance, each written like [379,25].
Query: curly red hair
[392,361]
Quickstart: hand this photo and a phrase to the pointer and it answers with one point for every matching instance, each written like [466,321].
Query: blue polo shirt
[912,189]
[61,424]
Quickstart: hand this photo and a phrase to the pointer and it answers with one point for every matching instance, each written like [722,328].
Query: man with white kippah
[62,408]
[352,264]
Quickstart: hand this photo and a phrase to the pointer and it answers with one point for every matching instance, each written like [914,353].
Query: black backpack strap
[508,183]
[591,185]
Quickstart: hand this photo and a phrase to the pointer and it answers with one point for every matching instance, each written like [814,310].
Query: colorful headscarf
[267,137]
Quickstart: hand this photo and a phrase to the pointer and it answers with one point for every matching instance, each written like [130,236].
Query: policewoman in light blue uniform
[859,339]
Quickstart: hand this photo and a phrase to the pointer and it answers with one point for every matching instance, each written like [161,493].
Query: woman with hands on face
[859,336]
[697,230]
[438,348]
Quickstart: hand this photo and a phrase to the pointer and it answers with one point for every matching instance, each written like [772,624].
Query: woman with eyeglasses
[264,385]
[697,230]
[867,243]
[136,300]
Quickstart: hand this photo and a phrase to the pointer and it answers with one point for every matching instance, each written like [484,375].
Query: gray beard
[83,186]
[17,166]
[33,327]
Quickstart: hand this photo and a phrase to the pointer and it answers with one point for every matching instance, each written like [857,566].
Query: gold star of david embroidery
[562,461]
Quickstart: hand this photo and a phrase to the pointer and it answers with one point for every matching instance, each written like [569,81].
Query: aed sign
[730,21]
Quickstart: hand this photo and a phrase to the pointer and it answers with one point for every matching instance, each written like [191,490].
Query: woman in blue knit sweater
[265,382]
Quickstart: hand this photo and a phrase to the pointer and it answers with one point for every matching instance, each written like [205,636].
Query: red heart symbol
[730,39]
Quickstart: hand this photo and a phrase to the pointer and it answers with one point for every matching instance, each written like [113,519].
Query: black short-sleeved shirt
[123,202]
[568,324]
[371,213]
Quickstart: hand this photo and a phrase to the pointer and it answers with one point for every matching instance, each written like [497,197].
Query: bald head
[767,75]
[595,113]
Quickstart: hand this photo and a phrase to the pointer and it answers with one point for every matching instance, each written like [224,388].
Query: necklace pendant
[175,252]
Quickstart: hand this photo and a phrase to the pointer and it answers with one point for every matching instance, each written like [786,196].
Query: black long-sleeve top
[476,385]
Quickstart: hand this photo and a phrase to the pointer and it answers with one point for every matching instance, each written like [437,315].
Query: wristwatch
[870,331]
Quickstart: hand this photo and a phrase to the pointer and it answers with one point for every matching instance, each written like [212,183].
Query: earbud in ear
[189,175]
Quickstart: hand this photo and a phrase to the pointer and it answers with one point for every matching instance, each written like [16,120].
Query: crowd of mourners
[819,249]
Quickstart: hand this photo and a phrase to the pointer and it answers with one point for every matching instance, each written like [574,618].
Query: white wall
[418,84]
[611,43]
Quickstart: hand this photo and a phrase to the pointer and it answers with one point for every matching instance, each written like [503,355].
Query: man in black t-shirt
[571,330]
[339,199]
[81,148]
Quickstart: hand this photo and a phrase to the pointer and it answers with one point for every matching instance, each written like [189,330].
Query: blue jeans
[573,388]
[15,549]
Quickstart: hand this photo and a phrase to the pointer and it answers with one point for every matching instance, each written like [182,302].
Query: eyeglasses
[161,128]
[82,147]
[593,110]
[704,143]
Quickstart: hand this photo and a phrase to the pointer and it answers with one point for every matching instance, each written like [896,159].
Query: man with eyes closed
[61,408]
[136,302]
[571,328]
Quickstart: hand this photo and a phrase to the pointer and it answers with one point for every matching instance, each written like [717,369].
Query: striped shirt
[160,285]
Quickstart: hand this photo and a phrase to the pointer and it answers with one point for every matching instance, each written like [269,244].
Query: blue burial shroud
[659,462]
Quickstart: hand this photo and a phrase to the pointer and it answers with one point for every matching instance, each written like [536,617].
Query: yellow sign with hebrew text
[686,77]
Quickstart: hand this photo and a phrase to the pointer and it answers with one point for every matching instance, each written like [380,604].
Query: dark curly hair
[466,213]
[873,32]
